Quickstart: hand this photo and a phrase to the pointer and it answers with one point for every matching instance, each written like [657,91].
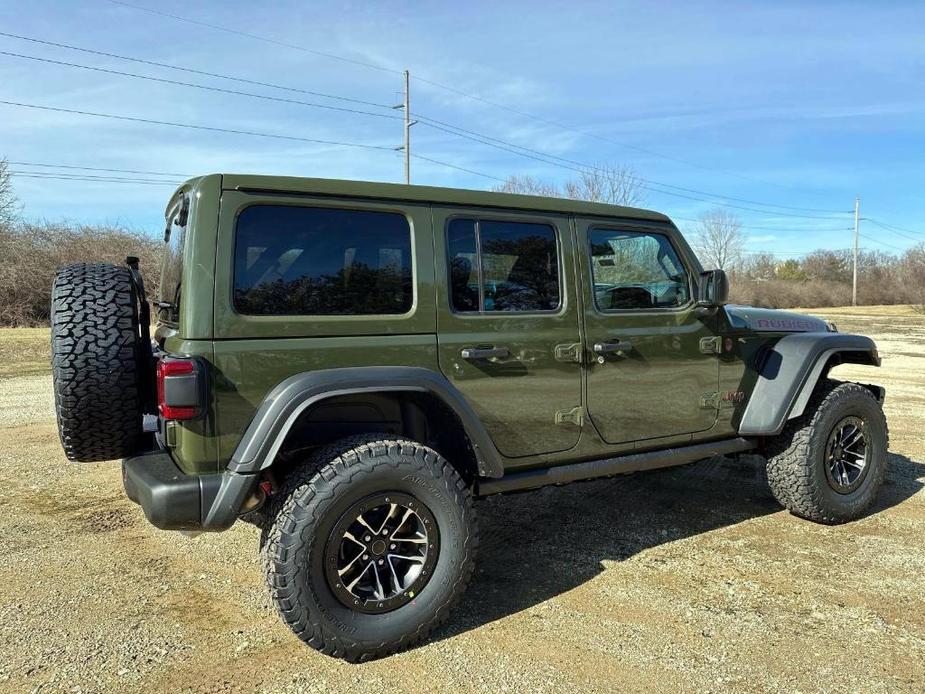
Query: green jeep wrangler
[349,365]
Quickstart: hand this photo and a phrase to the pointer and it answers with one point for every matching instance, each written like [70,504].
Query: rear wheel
[828,464]
[369,546]
[97,361]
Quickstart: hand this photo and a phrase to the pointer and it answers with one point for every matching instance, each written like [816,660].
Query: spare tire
[97,361]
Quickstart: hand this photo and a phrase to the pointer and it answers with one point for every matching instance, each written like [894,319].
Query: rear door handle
[611,347]
[485,352]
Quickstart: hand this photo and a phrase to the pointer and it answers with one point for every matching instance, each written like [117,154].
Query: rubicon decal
[785,324]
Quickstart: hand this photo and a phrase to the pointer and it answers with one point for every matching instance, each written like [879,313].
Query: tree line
[31,252]
[817,279]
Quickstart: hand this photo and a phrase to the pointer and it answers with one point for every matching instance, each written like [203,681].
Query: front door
[508,325]
[651,372]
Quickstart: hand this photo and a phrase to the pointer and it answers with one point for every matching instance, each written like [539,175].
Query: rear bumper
[174,500]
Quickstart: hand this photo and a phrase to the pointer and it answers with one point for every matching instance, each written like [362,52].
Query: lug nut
[367,538]
[392,546]
[385,532]
[382,561]
[365,557]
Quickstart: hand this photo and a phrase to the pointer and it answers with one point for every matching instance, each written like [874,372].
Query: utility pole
[857,222]
[406,107]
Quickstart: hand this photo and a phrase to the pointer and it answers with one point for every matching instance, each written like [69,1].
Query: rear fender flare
[282,406]
[788,374]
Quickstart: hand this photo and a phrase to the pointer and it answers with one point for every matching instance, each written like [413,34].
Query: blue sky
[790,104]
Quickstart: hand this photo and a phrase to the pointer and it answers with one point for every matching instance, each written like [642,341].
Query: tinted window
[636,270]
[321,261]
[502,266]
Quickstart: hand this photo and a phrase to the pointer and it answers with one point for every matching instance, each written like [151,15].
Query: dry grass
[24,351]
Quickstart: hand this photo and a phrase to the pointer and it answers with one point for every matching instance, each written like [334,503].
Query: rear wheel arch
[419,416]
[410,401]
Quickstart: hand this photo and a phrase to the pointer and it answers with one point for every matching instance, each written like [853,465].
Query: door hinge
[575,415]
[711,345]
[709,401]
[570,351]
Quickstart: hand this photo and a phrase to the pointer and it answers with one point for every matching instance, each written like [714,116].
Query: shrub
[31,253]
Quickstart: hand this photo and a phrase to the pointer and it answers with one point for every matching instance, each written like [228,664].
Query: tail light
[179,388]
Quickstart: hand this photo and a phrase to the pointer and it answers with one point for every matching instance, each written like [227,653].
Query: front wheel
[369,546]
[827,465]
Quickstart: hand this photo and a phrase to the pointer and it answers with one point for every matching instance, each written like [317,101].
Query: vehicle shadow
[540,544]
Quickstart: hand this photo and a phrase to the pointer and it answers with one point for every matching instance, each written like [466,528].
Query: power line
[648,184]
[96,168]
[222,90]
[151,121]
[882,243]
[899,231]
[645,183]
[237,132]
[193,71]
[256,37]
[458,168]
[777,229]
[432,83]
[92,179]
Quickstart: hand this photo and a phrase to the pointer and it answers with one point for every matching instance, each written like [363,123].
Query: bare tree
[720,240]
[614,185]
[527,185]
[9,205]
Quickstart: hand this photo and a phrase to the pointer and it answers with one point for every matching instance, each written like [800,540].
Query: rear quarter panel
[252,354]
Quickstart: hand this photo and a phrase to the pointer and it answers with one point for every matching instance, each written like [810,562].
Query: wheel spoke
[416,560]
[404,518]
[341,572]
[852,438]
[350,586]
[398,585]
[349,536]
[380,593]
[392,508]
[419,540]
[362,521]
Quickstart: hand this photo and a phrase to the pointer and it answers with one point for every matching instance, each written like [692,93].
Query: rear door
[652,371]
[508,324]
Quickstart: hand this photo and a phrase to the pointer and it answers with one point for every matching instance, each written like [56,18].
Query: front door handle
[485,352]
[611,347]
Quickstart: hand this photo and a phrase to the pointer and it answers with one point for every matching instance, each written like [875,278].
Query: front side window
[321,261]
[497,266]
[636,270]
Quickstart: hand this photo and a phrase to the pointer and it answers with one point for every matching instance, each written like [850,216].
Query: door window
[502,266]
[636,270]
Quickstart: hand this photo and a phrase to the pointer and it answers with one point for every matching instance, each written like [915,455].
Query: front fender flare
[282,406]
[789,372]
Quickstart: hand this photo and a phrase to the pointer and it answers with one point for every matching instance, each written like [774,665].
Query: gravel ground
[687,579]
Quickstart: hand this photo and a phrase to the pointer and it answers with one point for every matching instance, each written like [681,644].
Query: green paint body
[651,398]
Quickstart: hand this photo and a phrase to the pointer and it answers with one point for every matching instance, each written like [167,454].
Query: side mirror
[714,289]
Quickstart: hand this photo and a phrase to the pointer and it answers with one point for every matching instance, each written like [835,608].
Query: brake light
[178,388]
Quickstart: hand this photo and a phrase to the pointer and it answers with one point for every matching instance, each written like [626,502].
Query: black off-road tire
[95,358]
[797,457]
[316,496]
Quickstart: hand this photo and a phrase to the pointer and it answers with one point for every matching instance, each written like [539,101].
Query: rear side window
[321,261]
[497,266]
[636,270]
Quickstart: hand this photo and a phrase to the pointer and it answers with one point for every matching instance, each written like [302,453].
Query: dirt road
[687,579]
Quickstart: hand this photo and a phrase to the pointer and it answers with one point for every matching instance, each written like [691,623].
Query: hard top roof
[426,194]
